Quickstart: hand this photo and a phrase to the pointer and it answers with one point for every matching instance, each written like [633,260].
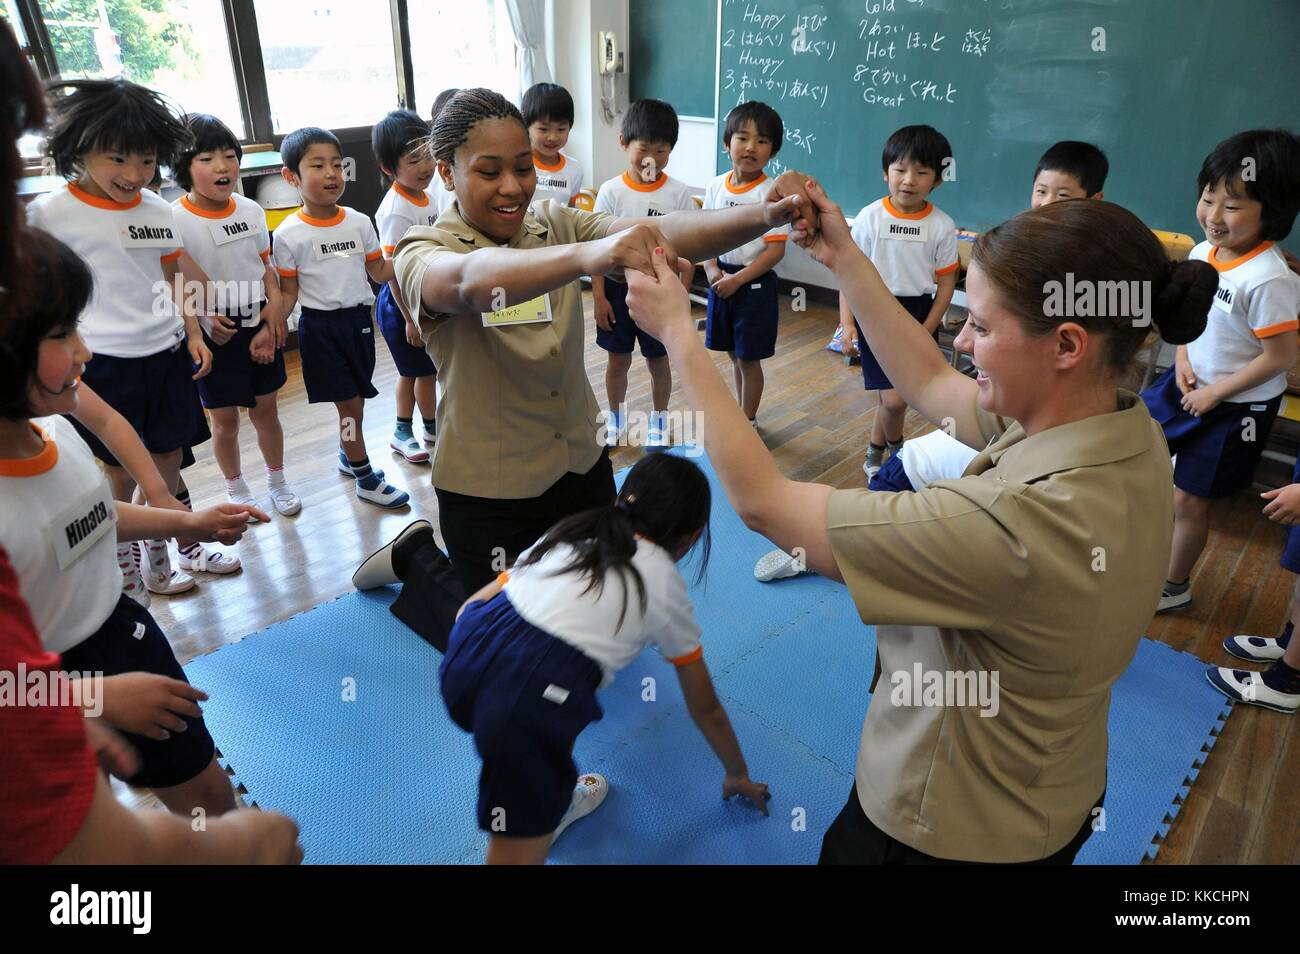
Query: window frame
[246,61]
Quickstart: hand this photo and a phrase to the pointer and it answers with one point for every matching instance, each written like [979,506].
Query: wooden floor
[1244,807]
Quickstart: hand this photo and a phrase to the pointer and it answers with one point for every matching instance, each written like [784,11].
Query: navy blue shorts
[1291,554]
[891,476]
[745,323]
[412,362]
[236,380]
[337,349]
[156,395]
[525,696]
[1218,452]
[625,334]
[130,641]
[873,376]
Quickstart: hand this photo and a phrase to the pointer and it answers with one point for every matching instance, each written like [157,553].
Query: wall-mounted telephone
[608,58]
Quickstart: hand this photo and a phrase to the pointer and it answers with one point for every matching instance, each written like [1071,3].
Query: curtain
[528,19]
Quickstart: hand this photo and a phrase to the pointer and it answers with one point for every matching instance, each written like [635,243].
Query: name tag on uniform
[524,313]
[76,529]
[1225,295]
[327,249]
[907,230]
[223,233]
[149,236]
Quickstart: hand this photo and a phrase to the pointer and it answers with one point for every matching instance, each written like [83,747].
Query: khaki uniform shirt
[1042,566]
[517,411]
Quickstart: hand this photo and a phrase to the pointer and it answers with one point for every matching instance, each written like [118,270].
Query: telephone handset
[607,55]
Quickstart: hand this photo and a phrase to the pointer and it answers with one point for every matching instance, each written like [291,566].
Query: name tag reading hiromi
[525,313]
[907,230]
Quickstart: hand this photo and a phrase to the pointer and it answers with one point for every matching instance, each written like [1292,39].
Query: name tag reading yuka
[223,233]
[524,313]
[907,231]
[76,529]
[327,249]
[142,235]
[1225,295]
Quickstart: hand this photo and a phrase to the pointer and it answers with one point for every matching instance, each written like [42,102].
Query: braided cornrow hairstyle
[461,113]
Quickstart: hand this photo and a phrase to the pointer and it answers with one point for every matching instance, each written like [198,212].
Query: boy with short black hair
[914,246]
[1070,169]
[548,113]
[324,253]
[742,316]
[648,135]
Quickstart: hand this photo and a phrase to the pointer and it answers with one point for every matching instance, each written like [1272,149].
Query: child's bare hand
[260,838]
[1184,376]
[116,755]
[604,314]
[756,792]
[726,286]
[149,704]
[224,523]
[262,347]
[1283,505]
[413,336]
[223,329]
[849,339]
[200,356]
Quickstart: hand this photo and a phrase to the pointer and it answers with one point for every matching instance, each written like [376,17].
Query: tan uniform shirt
[517,412]
[1042,566]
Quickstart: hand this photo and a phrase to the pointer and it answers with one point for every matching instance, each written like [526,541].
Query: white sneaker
[385,495]
[656,435]
[208,561]
[409,448]
[777,565]
[1249,687]
[1257,649]
[615,428]
[284,500]
[1173,601]
[242,495]
[870,470]
[156,568]
[588,795]
[128,560]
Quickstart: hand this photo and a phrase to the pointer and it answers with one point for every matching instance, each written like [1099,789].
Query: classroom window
[328,63]
[457,43]
[178,47]
[30,146]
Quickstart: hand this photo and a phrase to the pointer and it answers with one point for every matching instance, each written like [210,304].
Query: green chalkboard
[673,53]
[1154,83]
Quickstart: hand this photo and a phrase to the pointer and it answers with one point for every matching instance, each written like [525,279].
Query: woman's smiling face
[494,177]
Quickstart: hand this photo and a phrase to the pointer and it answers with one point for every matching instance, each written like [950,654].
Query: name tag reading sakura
[529,312]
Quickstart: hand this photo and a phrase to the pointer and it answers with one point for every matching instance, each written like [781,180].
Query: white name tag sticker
[1225,295]
[76,529]
[142,235]
[232,230]
[525,313]
[335,248]
[907,230]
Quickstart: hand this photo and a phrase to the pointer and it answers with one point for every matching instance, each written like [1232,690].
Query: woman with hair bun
[1020,589]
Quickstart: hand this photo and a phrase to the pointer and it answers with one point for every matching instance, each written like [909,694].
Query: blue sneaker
[346,469]
[381,493]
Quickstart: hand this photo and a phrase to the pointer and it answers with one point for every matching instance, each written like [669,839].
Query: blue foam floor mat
[334,716]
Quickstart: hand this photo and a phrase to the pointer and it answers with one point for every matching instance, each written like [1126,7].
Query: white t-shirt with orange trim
[131,313]
[627,198]
[401,209]
[59,527]
[721,194]
[1257,298]
[328,257]
[560,182]
[553,600]
[233,248]
[910,250]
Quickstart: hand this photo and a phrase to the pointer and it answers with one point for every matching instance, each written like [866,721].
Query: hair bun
[1183,296]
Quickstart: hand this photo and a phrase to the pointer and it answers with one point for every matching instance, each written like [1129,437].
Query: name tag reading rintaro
[327,249]
[524,313]
[223,233]
[907,231]
[143,235]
